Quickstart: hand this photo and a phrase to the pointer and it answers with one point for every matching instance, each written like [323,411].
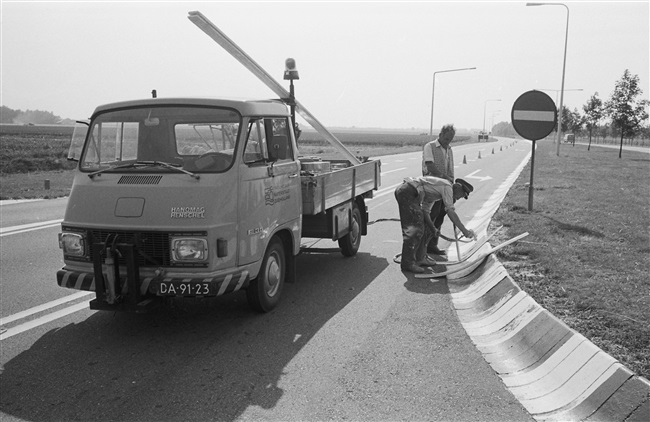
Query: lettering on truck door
[270,186]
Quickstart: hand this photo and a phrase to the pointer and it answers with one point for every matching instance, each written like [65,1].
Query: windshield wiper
[145,164]
[121,166]
[176,167]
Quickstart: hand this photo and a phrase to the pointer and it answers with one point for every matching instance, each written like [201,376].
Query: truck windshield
[197,139]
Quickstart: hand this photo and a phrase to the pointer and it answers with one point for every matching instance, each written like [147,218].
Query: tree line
[20,117]
[621,116]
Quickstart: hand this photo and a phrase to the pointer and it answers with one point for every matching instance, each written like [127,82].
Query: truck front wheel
[264,292]
[349,243]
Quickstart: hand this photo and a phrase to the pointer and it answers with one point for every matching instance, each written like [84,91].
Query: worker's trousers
[438,214]
[415,233]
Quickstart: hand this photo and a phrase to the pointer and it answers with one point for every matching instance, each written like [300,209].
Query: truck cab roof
[244,107]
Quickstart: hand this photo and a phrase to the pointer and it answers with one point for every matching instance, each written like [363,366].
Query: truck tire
[349,243]
[263,292]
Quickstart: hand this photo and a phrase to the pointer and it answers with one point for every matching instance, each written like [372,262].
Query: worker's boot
[413,268]
[427,262]
[432,247]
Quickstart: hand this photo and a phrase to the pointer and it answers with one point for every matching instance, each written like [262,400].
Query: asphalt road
[353,339]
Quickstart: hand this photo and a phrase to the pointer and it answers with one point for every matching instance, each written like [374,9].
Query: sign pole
[532,171]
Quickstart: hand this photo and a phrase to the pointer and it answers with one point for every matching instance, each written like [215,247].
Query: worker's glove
[470,234]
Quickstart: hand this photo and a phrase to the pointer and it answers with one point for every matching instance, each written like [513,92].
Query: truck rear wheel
[350,243]
[264,292]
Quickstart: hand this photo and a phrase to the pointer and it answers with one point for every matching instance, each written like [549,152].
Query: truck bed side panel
[323,191]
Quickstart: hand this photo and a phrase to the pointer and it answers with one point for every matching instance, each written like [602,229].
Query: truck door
[270,194]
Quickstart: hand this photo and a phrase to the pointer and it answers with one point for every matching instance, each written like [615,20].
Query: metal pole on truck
[222,39]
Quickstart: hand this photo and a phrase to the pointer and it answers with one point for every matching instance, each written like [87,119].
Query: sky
[361,64]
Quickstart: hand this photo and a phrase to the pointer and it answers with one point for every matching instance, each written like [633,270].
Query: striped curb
[556,373]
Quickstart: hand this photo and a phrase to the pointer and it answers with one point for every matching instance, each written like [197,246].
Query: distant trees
[8,115]
[504,129]
[572,121]
[19,117]
[594,112]
[625,109]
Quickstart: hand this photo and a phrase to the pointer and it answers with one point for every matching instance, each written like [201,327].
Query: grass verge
[587,257]
[33,185]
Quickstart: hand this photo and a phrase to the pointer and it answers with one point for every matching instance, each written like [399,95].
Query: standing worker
[438,161]
[415,198]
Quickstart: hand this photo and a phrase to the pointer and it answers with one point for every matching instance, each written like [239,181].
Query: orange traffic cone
[464,160]
[479,155]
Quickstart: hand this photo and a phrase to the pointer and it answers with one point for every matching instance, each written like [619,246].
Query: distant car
[569,138]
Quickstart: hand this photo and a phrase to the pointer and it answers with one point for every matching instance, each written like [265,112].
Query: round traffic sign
[534,115]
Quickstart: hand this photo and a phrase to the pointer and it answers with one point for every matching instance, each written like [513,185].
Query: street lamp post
[494,113]
[566,40]
[484,108]
[433,91]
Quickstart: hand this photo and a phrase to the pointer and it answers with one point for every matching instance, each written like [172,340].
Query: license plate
[184,289]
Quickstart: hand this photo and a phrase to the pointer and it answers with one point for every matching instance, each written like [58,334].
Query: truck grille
[152,247]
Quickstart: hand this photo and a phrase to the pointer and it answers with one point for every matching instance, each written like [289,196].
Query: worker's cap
[467,188]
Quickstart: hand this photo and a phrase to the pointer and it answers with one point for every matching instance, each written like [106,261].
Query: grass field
[587,257]
[27,149]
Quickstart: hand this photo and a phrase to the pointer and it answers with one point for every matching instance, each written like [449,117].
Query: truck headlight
[72,244]
[189,249]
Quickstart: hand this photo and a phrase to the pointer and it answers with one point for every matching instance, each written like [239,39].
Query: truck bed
[322,190]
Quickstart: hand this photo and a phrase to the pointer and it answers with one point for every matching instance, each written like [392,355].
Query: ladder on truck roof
[215,33]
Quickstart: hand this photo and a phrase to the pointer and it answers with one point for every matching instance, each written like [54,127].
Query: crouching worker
[415,198]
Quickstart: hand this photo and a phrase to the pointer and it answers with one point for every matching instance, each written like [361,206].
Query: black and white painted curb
[556,373]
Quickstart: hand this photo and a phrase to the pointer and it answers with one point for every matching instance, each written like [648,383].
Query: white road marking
[380,204]
[385,191]
[44,319]
[392,171]
[43,307]
[17,201]
[23,228]
[481,178]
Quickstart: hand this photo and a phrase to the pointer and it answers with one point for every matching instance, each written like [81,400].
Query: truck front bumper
[149,289]
[218,285]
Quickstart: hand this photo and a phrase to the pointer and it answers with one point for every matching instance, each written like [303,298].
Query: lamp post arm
[433,91]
